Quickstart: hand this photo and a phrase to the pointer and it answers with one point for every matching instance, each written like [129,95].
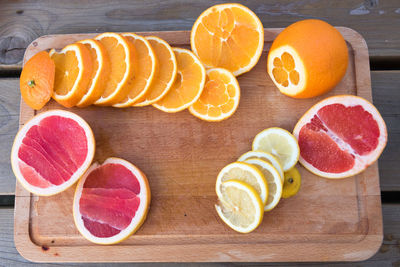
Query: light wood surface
[181,156]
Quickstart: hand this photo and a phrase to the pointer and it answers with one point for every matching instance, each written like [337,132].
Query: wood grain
[23,21]
[181,156]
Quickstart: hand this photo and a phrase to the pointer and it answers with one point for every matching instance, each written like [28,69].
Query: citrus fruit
[111,201]
[37,80]
[164,76]
[292,183]
[188,85]
[307,59]
[74,68]
[123,59]
[240,207]
[100,73]
[247,173]
[268,157]
[273,180]
[340,136]
[147,67]
[52,151]
[220,96]
[279,143]
[228,36]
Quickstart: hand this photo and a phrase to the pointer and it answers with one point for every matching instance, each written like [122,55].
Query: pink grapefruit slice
[340,136]
[52,151]
[111,201]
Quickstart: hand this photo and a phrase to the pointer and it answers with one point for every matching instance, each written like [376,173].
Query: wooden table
[378,22]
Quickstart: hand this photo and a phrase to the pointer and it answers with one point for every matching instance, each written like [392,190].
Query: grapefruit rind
[77,174]
[137,220]
[360,165]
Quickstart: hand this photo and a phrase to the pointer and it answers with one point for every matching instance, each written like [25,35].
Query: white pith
[77,174]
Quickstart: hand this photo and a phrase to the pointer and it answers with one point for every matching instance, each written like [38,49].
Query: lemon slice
[247,173]
[279,143]
[292,183]
[268,157]
[273,180]
[240,206]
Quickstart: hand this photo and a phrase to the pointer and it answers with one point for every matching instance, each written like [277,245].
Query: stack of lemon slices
[257,181]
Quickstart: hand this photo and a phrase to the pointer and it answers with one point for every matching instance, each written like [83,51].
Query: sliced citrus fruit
[111,201]
[228,36]
[268,157]
[37,80]
[52,151]
[240,206]
[307,59]
[340,136]
[292,183]
[100,73]
[273,180]
[247,173]
[220,96]
[188,85]
[164,77]
[123,59]
[147,67]
[279,143]
[74,68]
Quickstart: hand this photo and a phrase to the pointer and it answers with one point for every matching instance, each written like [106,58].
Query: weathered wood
[388,254]
[23,21]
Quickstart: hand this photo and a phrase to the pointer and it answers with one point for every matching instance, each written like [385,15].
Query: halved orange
[100,74]
[164,77]
[307,59]
[220,96]
[123,57]
[147,66]
[37,80]
[74,68]
[228,36]
[188,85]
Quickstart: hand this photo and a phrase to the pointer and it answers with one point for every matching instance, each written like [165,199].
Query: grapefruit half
[340,136]
[52,151]
[111,201]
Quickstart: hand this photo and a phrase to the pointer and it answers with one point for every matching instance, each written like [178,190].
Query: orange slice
[188,85]
[147,66]
[164,77]
[307,59]
[74,68]
[123,57]
[229,36]
[37,80]
[220,96]
[100,74]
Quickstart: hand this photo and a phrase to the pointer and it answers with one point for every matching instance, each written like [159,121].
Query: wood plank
[388,254]
[23,21]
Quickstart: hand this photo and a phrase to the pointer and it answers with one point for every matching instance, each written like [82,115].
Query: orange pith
[73,73]
[37,80]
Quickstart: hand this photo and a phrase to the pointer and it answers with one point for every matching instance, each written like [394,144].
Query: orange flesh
[284,70]
[95,62]
[67,71]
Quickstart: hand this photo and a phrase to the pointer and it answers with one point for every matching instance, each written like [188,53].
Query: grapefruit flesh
[52,151]
[340,136]
[111,201]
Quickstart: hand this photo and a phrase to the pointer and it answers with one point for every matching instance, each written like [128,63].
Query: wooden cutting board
[329,220]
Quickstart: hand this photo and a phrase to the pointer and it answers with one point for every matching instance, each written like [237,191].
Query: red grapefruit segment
[111,201]
[52,151]
[340,136]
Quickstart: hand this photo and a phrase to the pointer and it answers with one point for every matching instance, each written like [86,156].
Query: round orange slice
[122,57]
[147,66]
[74,68]
[164,77]
[100,74]
[228,36]
[220,96]
[188,85]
